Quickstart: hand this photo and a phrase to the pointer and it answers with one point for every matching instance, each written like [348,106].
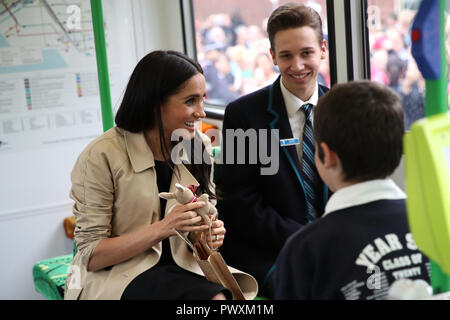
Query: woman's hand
[183,218]
[217,234]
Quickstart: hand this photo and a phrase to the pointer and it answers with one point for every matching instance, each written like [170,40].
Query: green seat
[50,276]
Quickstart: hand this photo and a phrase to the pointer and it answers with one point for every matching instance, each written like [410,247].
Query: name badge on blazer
[289,142]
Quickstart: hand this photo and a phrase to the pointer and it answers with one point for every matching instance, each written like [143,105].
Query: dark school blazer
[261,211]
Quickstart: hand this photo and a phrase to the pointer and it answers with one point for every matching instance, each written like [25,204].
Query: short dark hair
[293,15]
[363,122]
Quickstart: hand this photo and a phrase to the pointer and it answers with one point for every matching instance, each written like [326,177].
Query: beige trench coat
[115,193]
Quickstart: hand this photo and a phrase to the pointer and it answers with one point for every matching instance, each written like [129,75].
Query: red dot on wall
[415,35]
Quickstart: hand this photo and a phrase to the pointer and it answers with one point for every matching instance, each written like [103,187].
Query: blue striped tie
[309,173]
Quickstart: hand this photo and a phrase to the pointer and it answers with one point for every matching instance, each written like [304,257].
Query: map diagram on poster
[48,75]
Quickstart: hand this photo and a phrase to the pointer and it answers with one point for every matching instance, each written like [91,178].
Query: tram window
[233,47]
[389,25]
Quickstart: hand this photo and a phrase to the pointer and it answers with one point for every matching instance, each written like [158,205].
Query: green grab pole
[436,90]
[102,64]
[436,103]
[440,281]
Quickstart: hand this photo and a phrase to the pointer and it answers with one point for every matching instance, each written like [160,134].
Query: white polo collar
[364,192]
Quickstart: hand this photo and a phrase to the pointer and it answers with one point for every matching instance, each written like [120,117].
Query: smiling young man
[298,53]
[262,211]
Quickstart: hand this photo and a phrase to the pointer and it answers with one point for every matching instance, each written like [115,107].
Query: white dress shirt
[363,192]
[295,114]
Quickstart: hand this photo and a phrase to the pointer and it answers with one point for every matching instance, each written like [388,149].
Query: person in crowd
[220,80]
[262,211]
[395,69]
[125,234]
[413,100]
[362,243]
[378,66]
[265,72]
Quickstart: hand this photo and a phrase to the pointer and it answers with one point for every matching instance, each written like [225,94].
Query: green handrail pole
[102,64]
[435,90]
[436,103]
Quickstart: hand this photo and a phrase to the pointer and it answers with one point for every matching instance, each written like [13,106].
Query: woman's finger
[217,224]
[215,244]
[193,205]
[218,230]
[191,228]
[192,221]
[217,236]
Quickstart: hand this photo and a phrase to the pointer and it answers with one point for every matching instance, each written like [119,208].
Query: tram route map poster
[48,76]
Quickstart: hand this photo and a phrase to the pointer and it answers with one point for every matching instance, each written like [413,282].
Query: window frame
[216,111]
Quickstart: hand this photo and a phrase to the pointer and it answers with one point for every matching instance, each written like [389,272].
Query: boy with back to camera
[362,243]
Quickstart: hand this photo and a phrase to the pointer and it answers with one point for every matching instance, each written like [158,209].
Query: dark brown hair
[293,15]
[158,76]
[363,123]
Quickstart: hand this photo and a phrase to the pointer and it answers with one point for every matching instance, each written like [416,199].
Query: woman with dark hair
[124,231]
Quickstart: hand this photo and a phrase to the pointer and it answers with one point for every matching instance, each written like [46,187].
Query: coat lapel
[140,154]
[277,108]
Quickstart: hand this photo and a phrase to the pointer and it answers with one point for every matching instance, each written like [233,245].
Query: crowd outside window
[227,43]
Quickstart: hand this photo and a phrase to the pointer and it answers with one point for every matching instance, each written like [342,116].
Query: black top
[163,178]
[352,253]
[166,280]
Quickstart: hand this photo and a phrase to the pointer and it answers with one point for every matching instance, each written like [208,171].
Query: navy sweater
[353,253]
